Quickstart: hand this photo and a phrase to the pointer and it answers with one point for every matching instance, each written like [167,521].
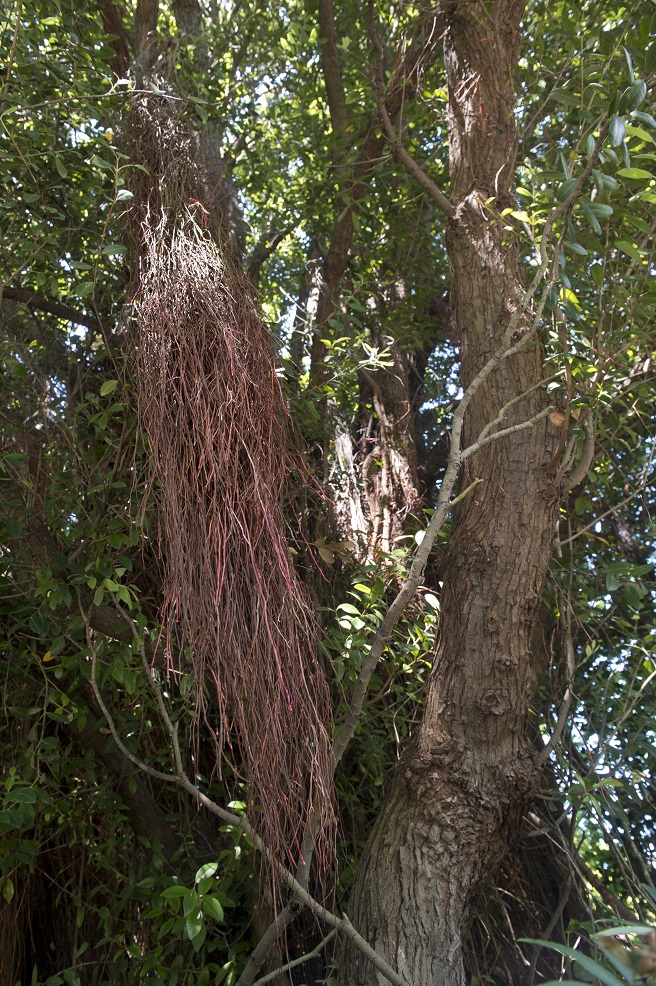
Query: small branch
[580,470]
[506,431]
[606,513]
[563,712]
[158,774]
[261,253]
[182,780]
[396,147]
[553,921]
[295,962]
[506,407]
[620,908]
[52,307]
[261,951]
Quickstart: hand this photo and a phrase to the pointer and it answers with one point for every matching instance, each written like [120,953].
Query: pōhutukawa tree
[433,185]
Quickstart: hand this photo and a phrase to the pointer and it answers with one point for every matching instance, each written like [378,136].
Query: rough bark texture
[457,795]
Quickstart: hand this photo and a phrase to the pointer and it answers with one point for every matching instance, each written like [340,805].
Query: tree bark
[457,795]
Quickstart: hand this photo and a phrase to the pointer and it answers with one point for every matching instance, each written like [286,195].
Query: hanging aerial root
[210,404]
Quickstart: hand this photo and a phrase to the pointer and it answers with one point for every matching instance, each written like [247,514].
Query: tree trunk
[457,795]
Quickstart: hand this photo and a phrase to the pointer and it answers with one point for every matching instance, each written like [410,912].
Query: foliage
[80,527]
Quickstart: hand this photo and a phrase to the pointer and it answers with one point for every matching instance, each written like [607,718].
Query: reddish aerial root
[210,403]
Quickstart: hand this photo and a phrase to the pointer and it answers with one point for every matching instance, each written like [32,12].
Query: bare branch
[606,513]
[182,780]
[261,951]
[481,443]
[152,771]
[295,962]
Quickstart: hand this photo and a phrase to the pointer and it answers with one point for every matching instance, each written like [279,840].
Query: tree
[465,183]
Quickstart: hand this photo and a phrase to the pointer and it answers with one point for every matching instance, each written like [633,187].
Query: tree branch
[113,24]
[264,249]
[397,148]
[182,780]
[145,32]
[566,703]
[295,962]
[332,72]
[52,307]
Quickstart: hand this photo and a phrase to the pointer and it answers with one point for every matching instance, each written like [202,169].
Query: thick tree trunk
[457,795]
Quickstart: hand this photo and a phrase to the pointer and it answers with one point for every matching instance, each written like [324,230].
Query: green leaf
[108,387]
[173,892]
[566,98]
[625,929]
[637,174]
[629,249]
[123,195]
[208,869]
[565,190]
[576,248]
[212,906]
[616,131]
[198,939]
[61,170]
[590,216]
[193,924]
[600,209]
[190,902]
[124,596]
[23,796]
[14,527]
[632,595]
[633,96]
[646,119]
[100,162]
[594,968]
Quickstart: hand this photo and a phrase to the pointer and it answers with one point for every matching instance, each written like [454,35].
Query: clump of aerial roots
[210,403]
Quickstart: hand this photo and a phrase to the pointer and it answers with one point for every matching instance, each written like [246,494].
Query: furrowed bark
[458,793]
